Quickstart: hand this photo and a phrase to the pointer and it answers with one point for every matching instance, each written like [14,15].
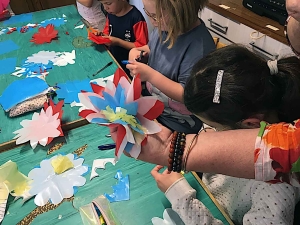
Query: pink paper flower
[119,105]
[43,127]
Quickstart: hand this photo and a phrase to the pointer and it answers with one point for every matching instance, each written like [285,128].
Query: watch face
[80,42]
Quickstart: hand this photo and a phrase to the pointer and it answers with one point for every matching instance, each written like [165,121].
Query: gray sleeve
[184,202]
[272,204]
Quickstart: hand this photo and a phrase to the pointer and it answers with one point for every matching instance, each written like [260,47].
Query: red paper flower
[44,35]
[98,39]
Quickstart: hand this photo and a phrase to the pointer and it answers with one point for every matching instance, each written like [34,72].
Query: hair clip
[216,98]
[272,64]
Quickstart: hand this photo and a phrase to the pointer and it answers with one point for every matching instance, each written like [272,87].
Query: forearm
[125,44]
[230,152]
[86,3]
[170,88]
[293,30]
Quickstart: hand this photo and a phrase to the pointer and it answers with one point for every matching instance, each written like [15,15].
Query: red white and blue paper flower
[119,105]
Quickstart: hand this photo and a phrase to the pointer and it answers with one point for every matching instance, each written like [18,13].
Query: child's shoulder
[136,14]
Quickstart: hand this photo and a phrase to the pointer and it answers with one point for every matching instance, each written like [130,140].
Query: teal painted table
[146,201]
[88,60]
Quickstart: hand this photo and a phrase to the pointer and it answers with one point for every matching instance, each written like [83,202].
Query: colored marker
[125,62]
[107,147]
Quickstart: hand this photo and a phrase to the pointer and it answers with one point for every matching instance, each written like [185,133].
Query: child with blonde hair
[178,41]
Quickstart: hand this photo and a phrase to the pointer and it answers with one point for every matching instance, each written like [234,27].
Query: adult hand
[144,70]
[293,9]
[165,179]
[156,149]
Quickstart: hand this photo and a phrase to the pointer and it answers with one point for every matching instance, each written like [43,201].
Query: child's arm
[86,3]
[183,198]
[172,89]
[272,204]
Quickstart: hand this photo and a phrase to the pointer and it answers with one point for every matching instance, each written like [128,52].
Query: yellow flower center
[121,114]
[61,164]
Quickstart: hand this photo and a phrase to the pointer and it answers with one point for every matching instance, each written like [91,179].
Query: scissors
[140,58]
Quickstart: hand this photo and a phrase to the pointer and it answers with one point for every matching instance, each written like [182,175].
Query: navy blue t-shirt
[131,27]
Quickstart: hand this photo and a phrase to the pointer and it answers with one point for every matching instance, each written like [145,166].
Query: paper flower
[42,57]
[56,178]
[119,105]
[65,58]
[98,39]
[43,127]
[44,35]
[170,217]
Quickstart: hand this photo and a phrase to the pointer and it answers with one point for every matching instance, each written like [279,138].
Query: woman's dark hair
[247,88]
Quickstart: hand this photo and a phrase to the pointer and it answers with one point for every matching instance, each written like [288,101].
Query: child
[125,27]
[251,90]
[91,11]
[178,41]
[5,10]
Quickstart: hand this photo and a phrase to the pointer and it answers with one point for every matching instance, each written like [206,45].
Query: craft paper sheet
[7,46]
[120,190]
[100,164]
[21,90]
[56,178]
[120,106]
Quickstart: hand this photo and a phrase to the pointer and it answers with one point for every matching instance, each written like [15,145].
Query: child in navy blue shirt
[125,27]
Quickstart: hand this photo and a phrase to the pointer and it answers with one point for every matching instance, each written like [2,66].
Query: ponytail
[249,87]
[289,86]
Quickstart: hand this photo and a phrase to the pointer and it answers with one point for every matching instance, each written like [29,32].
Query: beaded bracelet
[176,151]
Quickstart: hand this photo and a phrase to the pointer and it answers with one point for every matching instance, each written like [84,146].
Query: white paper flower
[48,185]
[65,58]
[42,126]
[42,57]
[170,217]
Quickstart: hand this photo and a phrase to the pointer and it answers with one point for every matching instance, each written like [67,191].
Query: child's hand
[113,40]
[165,179]
[144,70]
[136,53]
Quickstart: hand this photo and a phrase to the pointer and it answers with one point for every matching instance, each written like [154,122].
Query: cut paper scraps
[98,39]
[22,90]
[43,126]
[31,69]
[120,190]
[57,22]
[170,217]
[7,46]
[44,35]
[11,181]
[39,64]
[100,164]
[69,91]
[120,106]
[57,178]
[7,65]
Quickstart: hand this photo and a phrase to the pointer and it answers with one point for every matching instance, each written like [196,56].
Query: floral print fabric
[277,153]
